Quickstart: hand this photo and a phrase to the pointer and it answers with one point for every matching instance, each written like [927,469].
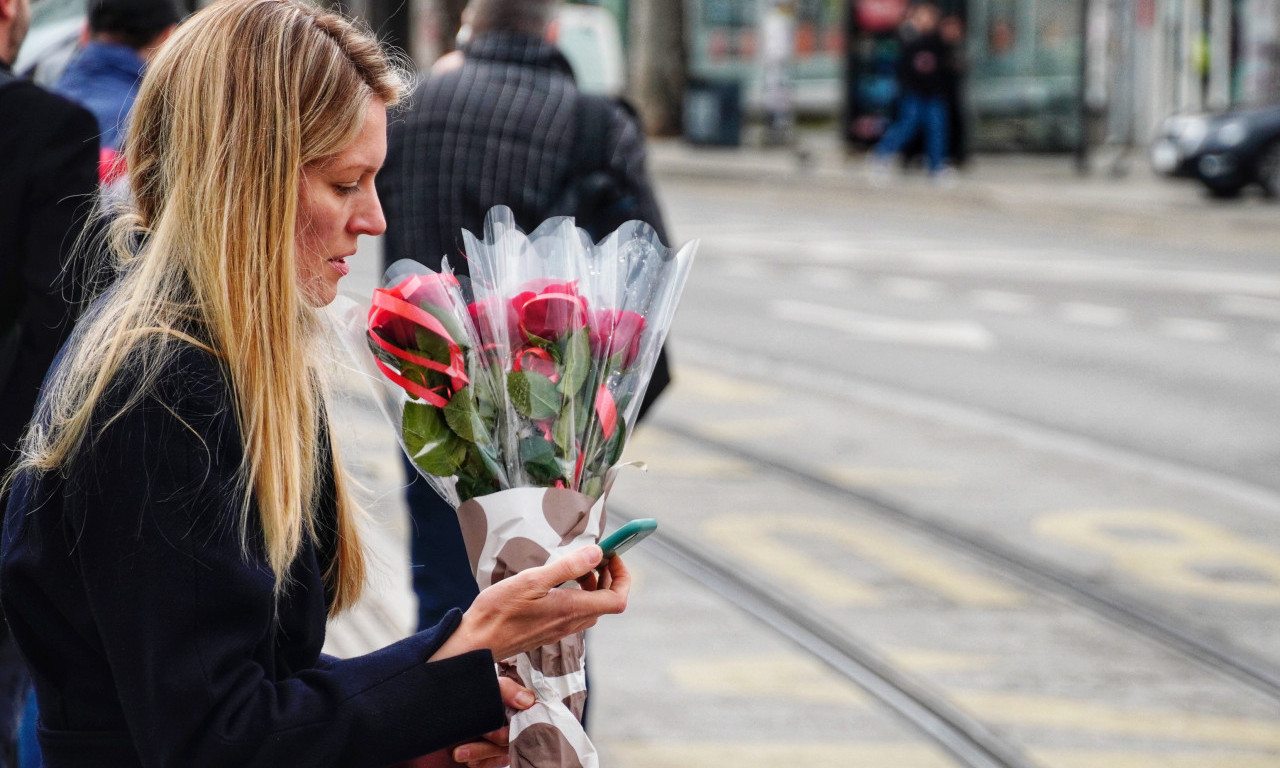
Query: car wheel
[1268,170]
[1224,191]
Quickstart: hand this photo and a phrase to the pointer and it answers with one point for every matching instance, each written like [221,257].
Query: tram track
[1036,574]
[929,712]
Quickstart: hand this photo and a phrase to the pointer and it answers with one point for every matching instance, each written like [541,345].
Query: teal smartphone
[628,536]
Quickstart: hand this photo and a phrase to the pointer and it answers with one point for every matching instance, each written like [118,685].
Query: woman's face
[337,203]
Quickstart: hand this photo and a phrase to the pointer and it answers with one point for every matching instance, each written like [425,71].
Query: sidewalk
[1013,181]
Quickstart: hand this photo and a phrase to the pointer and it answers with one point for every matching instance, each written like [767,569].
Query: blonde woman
[179,530]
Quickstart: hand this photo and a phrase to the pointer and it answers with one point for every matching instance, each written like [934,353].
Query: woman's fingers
[515,695]
[480,753]
[571,567]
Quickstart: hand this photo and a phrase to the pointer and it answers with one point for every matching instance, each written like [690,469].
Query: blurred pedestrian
[951,29]
[504,125]
[104,76]
[179,529]
[48,176]
[923,78]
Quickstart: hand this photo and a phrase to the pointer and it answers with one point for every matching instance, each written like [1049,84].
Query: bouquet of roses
[516,391]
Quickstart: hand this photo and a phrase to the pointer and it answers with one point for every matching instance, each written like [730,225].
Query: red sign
[879,15]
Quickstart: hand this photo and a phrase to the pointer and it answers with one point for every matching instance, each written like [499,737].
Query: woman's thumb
[572,566]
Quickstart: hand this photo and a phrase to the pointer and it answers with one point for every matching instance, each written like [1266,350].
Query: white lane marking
[1030,433]
[911,288]
[1093,314]
[828,277]
[745,269]
[1002,301]
[1190,329]
[959,334]
[1061,267]
[1249,306]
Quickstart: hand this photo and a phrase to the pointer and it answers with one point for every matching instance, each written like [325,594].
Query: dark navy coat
[154,640]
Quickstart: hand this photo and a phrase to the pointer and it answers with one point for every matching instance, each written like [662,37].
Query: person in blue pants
[923,77]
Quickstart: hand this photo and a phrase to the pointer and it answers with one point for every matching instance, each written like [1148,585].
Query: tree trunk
[658,63]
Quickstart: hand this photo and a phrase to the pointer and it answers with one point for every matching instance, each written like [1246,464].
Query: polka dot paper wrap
[505,533]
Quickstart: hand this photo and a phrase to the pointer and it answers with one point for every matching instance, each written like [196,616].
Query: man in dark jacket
[508,127]
[48,176]
[924,74]
[105,75]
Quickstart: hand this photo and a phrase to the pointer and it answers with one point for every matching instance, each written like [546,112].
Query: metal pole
[1082,94]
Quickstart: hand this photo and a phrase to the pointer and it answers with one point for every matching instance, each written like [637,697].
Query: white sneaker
[944,178]
[879,170]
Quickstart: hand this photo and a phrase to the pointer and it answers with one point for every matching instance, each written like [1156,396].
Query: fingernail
[461,754]
[525,699]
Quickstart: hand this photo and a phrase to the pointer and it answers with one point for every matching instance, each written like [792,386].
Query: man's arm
[58,200]
[628,161]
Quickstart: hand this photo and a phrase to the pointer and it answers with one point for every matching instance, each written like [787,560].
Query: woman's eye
[347,189]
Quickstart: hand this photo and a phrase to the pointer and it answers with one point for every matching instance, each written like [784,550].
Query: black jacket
[925,65]
[153,638]
[48,178]
[500,130]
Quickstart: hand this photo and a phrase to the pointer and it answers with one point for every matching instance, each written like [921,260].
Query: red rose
[537,360]
[492,313]
[607,411]
[550,310]
[419,290]
[616,331]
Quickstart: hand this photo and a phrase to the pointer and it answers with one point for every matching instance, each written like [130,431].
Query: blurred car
[1226,152]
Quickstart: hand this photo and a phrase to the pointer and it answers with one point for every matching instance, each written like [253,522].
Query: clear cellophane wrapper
[514,392]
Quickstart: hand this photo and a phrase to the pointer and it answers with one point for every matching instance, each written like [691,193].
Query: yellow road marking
[733,429]
[774,755]
[759,540]
[888,477]
[1075,715]
[1174,552]
[1085,758]
[666,455]
[926,660]
[704,384]
[780,676]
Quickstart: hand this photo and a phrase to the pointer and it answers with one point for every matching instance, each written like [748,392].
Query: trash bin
[713,112]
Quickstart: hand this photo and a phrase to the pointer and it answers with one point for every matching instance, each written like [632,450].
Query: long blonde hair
[243,96]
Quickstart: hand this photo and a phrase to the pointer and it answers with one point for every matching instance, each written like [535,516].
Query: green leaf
[533,394]
[431,345]
[613,448]
[463,417]
[539,460]
[478,475]
[575,362]
[449,322]
[593,487]
[565,430]
[431,444]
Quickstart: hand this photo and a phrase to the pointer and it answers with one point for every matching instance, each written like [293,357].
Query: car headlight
[1231,133]
[1188,131]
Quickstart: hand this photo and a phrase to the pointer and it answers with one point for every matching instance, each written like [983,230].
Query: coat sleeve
[185,615]
[628,160]
[58,199]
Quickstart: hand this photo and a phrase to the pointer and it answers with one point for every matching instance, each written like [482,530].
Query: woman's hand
[530,609]
[494,750]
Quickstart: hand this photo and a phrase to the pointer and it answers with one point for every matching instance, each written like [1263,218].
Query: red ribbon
[388,301]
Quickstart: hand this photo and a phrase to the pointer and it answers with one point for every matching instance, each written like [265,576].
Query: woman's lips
[340,266]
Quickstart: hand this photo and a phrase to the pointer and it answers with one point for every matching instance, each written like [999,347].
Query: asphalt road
[890,401]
